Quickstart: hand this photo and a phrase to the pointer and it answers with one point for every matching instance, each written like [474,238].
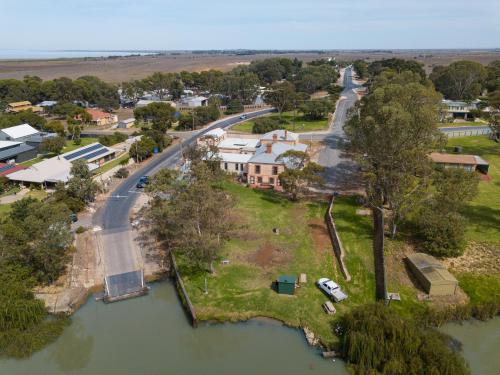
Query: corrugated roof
[237,143]
[20,131]
[282,135]
[437,157]
[19,104]
[8,144]
[6,169]
[231,157]
[431,268]
[217,132]
[263,157]
[11,153]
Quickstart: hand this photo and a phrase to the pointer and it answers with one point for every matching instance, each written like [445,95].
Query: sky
[256,24]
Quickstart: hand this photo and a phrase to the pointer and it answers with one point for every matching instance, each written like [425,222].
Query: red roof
[97,114]
[6,169]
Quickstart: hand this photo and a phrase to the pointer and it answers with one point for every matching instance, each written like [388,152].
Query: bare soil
[320,235]
[268,255]
[127,68]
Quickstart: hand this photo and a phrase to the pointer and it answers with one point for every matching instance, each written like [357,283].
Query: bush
[234,106]
[122,173]
[266,124]
[442,232]
[376,340]
[110,140]
[124,161]
[80,230]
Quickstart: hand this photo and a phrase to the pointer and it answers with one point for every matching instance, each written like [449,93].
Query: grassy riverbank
[242,289]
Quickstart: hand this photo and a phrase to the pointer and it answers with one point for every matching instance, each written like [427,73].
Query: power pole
[378,254]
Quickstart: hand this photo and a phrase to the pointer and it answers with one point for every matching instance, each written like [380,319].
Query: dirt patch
[398,273]
[477,258]
[320,235]
[268,255]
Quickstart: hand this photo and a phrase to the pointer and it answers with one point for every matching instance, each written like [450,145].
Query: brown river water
[151,335]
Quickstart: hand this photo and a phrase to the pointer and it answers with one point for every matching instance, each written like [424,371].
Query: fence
[466,133]
[183,292]
[338,249]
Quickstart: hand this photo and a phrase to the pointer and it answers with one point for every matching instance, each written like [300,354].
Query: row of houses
[256,161]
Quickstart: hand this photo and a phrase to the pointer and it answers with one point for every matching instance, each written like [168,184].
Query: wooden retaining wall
[183,292]
[338,249]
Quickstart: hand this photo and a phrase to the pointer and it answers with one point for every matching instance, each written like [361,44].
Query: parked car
[332,289]
[73,217]
[143,181]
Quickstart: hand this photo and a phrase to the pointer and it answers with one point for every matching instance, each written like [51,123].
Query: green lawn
[484,211]
[465,123]
[242,289]
[70,146]
[38,194]
[112,164]
[300,125]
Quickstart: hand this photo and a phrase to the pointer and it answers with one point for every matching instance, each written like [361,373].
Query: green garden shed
[286,284]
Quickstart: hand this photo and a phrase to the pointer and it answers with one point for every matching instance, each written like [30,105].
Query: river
[151,335]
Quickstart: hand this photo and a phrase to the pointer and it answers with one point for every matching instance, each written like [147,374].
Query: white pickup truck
[332,289]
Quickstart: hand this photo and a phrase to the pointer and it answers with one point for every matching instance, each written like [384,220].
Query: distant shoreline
[127,65]
[14,55]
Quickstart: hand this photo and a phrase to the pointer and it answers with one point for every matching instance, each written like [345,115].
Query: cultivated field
[126,68]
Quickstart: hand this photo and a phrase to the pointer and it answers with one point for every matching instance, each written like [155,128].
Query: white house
[194,101]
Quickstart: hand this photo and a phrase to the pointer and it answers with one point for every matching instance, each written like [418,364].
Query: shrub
[110,140]
[267,124]
[122,173]
[442,232]
[376,340]
[80,230]
[234,106]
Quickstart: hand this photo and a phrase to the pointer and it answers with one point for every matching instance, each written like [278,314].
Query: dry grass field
[126,68]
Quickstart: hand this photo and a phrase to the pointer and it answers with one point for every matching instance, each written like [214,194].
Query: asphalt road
[339,168]
[118,251]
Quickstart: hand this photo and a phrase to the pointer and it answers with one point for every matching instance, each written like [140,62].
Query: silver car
[332,289]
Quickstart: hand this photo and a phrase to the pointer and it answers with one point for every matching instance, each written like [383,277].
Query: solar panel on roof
[6,167]
[83,152]
[94,154]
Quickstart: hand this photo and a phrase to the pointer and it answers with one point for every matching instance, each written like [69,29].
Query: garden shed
[286,284]
[432,275]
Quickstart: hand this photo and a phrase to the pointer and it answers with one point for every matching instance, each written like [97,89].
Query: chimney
[286,134]
[275,138]
[269,148]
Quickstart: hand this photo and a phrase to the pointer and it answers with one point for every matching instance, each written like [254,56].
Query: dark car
[73,217]
[143,181]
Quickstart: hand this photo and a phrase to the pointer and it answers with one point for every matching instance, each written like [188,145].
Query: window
[271,180]
[259,180]
[257,169]
[278,182]
[225,166]
[236,166]
[241,167]
[252,179]
[275,171]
